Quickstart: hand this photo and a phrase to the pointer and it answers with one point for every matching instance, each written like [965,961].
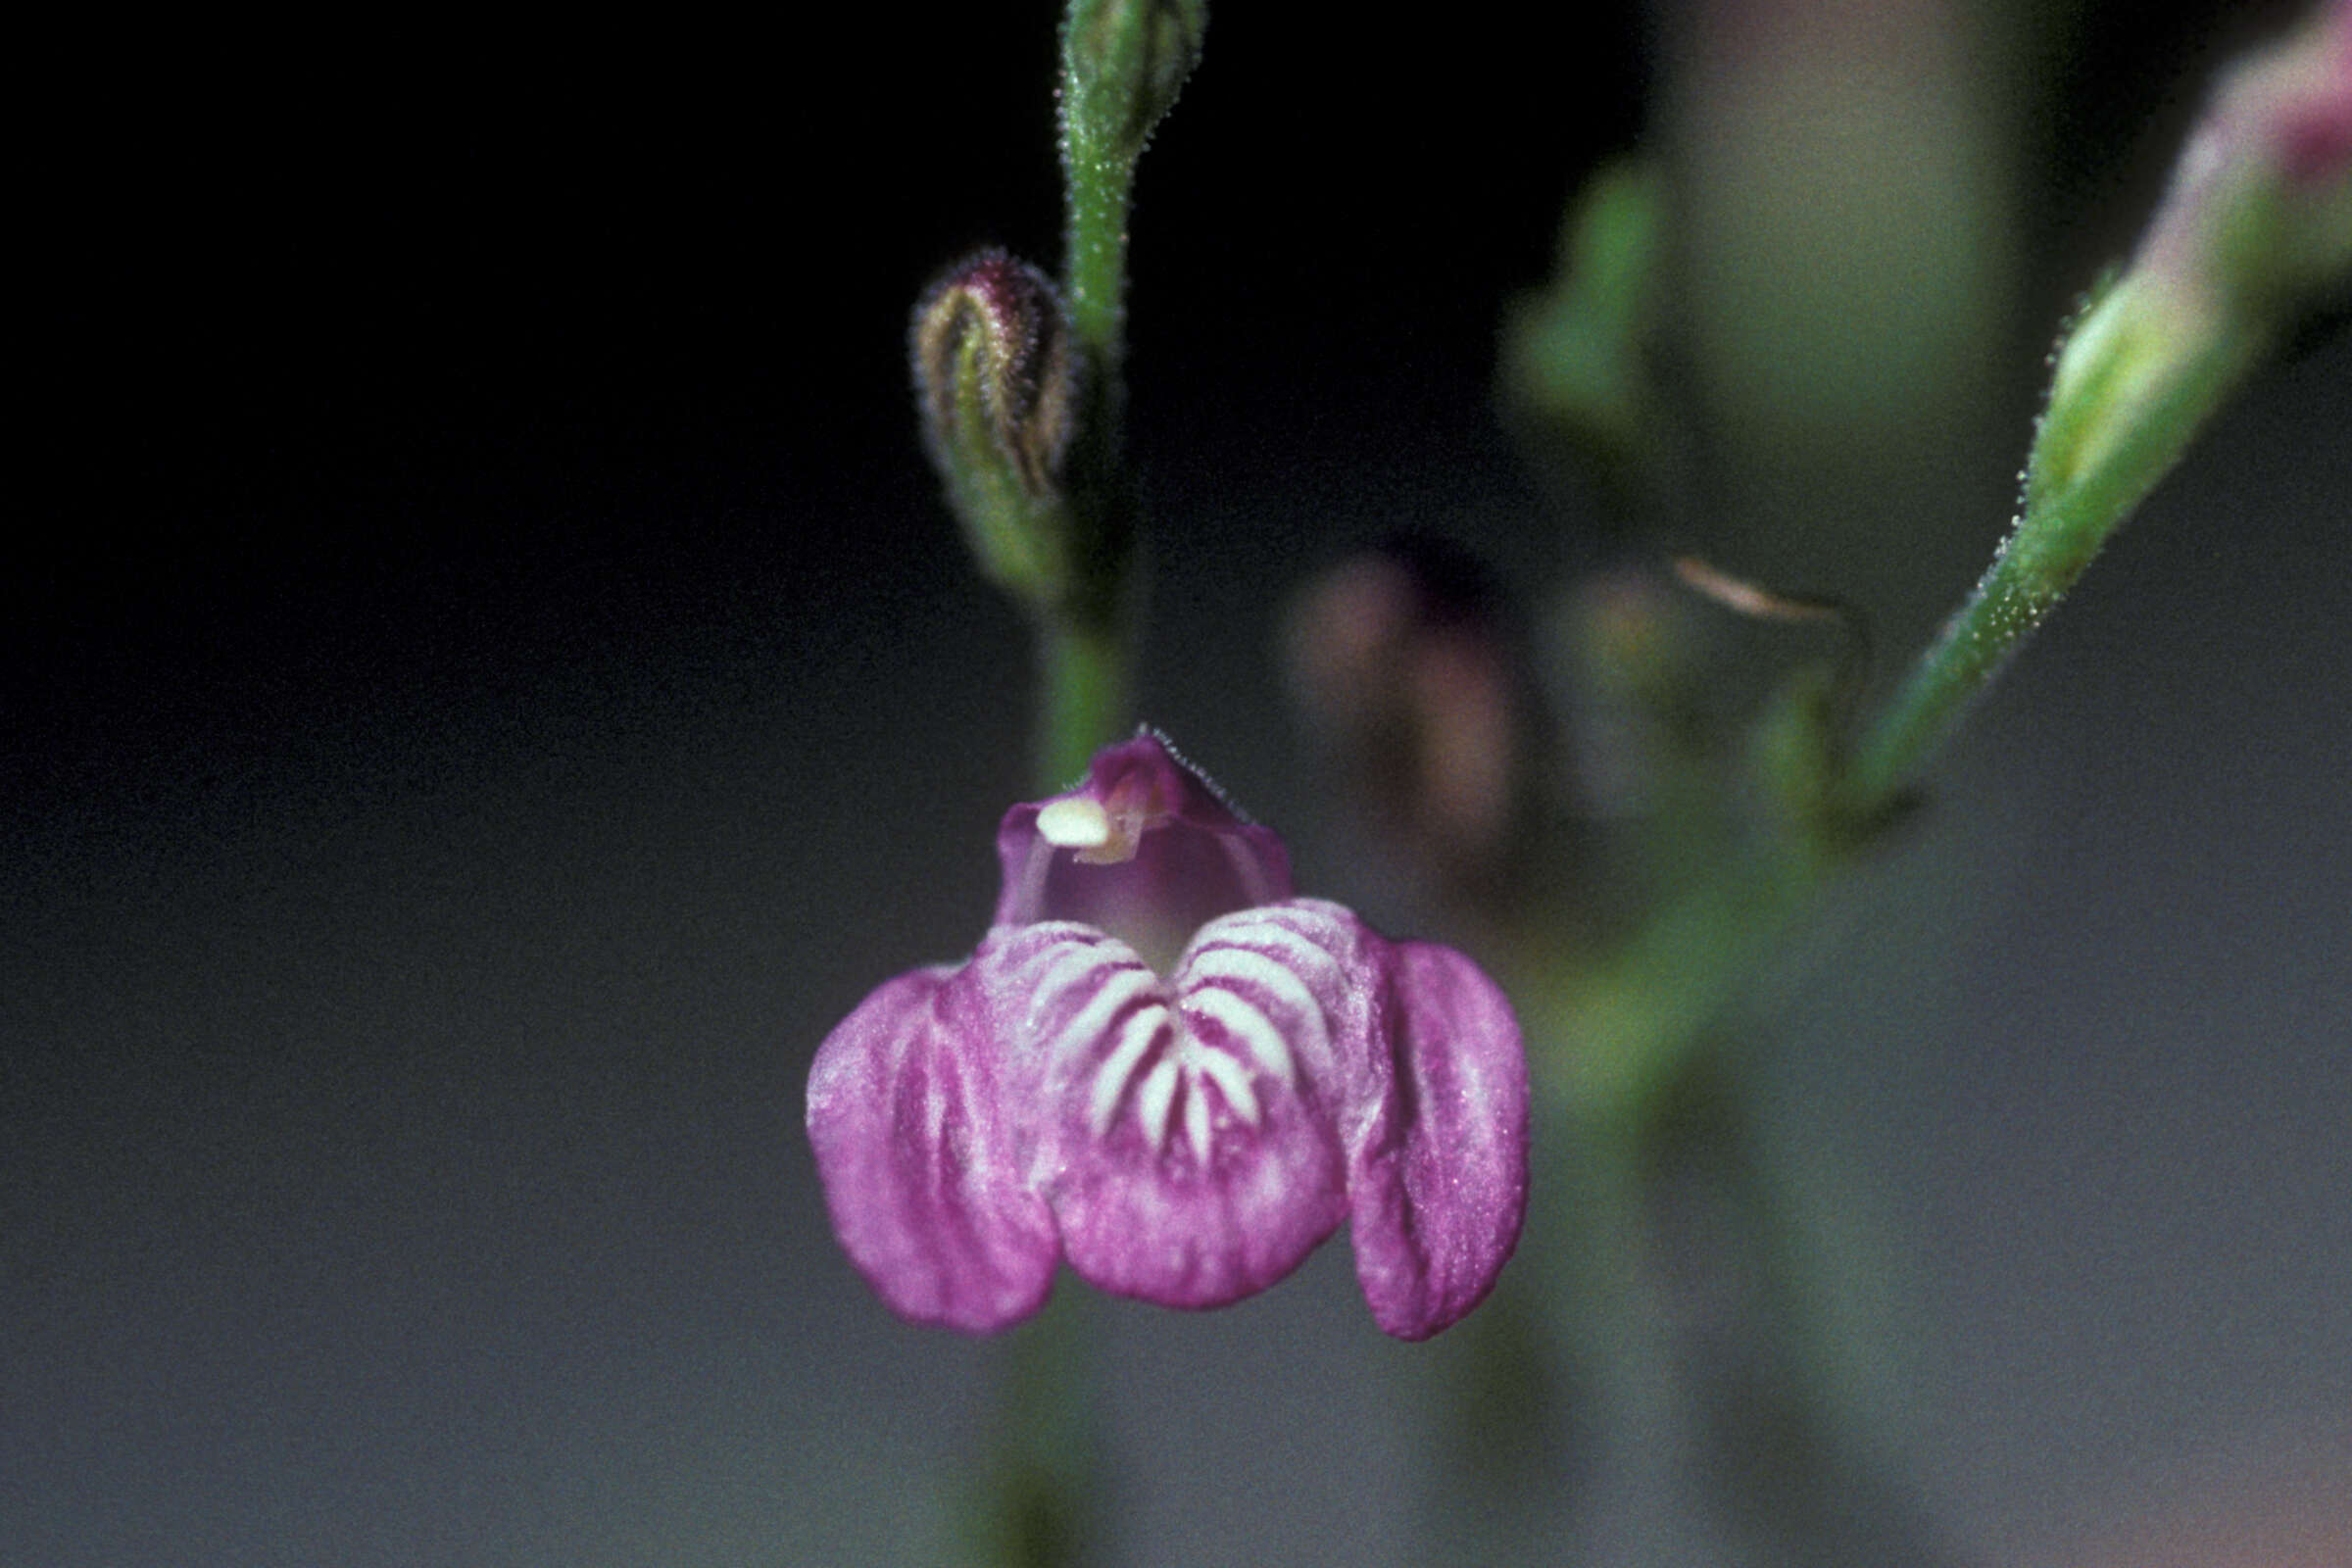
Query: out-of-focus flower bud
[2256,226]
[1124,63]
[1400,662]
[2260,207]
[997,378]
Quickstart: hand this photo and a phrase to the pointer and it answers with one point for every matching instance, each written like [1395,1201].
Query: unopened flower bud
[2260,203]
[1124,61]
[992,356]
[2256,225]
[997,378]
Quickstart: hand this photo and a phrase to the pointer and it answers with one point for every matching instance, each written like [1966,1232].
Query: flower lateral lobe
[920,1174]
[1195,1077]
[1437,1187]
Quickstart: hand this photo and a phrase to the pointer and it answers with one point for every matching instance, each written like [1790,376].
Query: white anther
[1074,823]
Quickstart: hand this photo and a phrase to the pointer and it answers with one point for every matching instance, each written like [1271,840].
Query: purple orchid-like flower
[1164,1067]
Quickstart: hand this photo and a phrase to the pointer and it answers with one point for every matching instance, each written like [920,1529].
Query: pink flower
[1164,1067]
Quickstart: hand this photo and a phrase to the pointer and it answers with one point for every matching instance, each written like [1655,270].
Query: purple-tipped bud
[993,362]
[2260,203]
[2256,225]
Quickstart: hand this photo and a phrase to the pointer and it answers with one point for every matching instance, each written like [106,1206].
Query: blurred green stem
[1085,698]
[1040,1504]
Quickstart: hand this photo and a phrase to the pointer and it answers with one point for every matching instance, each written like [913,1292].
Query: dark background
[488,682]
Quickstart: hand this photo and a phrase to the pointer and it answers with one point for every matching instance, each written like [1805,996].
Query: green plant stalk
[1038,1501]
[1098,190]
[2069,515]
[1099,186]
[1085,641]
[1073,595]
[1041,1507]
[1622,1032]
[1086,698]
[2250,233]
[1086,644]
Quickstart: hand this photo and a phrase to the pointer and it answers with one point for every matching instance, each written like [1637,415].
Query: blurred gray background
[488,684]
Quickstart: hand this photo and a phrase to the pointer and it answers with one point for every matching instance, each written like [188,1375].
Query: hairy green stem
[2068,518]
[1099,186]
[1084,642]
